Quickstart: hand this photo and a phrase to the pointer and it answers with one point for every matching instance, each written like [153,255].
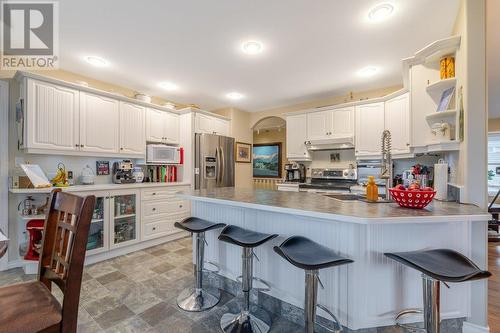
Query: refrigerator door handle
[218,166]
[223,165]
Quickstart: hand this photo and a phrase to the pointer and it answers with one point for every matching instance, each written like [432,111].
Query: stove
[331,180]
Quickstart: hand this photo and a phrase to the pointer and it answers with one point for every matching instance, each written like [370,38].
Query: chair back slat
[63,249]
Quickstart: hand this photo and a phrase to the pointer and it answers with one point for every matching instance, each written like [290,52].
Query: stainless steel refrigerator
[213,161]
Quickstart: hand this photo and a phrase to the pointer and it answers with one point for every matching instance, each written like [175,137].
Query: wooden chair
[30,307]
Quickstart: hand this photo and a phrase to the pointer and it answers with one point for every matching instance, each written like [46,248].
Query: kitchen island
[370,291]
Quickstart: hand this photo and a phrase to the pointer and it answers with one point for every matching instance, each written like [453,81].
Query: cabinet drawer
[162,193]
[164,207]
[160,227]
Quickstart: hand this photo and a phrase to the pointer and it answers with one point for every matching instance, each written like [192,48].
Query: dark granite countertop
[319,206]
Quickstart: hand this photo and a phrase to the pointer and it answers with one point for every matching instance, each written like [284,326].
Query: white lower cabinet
[161,208]
[115,220]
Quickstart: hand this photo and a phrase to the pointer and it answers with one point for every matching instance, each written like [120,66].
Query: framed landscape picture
[267,160]
[243,152]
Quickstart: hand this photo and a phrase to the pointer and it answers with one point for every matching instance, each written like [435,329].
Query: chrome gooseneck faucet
[386,171]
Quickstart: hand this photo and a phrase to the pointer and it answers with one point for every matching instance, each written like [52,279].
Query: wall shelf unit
[441,116]
[441,85]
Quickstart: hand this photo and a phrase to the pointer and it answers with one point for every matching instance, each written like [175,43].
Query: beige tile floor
[137,293]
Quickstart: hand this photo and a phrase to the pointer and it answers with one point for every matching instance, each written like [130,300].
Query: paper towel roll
[441,180]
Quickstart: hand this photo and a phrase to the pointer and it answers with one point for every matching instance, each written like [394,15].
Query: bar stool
[441,265]
[251,318]
[311,257]
[197,298]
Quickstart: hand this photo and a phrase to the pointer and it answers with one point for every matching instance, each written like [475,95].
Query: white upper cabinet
[52,115]
[342,124]
[207,124]
[220,126]
[155,125]
[397,121]
[203,123]
[162,127]
[296,135]
[99,124]
[132,136]
[369,128]
[319,125]
[330,124]
[171,127]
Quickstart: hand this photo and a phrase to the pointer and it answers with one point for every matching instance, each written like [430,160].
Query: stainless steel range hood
[333,143]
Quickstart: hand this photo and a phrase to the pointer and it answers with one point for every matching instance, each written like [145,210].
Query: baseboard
[111,253]
[473,328]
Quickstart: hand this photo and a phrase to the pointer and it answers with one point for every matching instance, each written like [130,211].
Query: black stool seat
[306,254]
[243,237]
[441,264]
[196,225]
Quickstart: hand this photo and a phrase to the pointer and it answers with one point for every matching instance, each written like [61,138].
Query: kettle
[87,176]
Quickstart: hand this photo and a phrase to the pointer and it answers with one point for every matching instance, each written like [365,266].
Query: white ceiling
[312,49]
[492,57]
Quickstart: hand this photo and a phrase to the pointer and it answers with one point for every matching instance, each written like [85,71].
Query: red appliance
[35,230]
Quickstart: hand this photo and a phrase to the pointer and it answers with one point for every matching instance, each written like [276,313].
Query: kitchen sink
[344,196]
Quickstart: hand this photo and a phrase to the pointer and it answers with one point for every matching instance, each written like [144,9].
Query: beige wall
[356,96]
[494,125]
[101,85]
[241,131]
[272,136]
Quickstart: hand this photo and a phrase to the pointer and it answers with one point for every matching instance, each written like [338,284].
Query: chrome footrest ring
[408,327]
[215,271]
[267,287]
[338,327]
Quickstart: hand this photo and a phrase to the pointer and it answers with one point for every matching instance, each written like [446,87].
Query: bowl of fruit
[412,197]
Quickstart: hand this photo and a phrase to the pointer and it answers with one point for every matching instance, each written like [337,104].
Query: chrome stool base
[257,320]
[193,300]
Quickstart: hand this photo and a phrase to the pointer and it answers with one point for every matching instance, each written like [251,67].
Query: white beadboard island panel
[368,292]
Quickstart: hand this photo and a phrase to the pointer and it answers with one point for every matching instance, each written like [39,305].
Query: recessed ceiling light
[252,47]
[234,95]
[168,85]
[380,12]
[368,71]
[96,61]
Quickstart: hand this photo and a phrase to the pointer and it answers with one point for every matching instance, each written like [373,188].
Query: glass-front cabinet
[124,221]
[114,220]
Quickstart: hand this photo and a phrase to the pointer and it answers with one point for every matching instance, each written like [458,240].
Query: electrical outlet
[19,161]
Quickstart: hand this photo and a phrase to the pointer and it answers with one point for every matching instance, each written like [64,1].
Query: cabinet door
[171,122]
[124,217]
[397,121]
[98,238]
[369,128]
[99,124]
[132,128]
[220,126]
[155,125]
[319,125]
[342,124]
[296,132]
[51,117]
[203,123]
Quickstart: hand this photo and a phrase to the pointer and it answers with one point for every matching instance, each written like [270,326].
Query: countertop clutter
[97,187]
[321,206]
